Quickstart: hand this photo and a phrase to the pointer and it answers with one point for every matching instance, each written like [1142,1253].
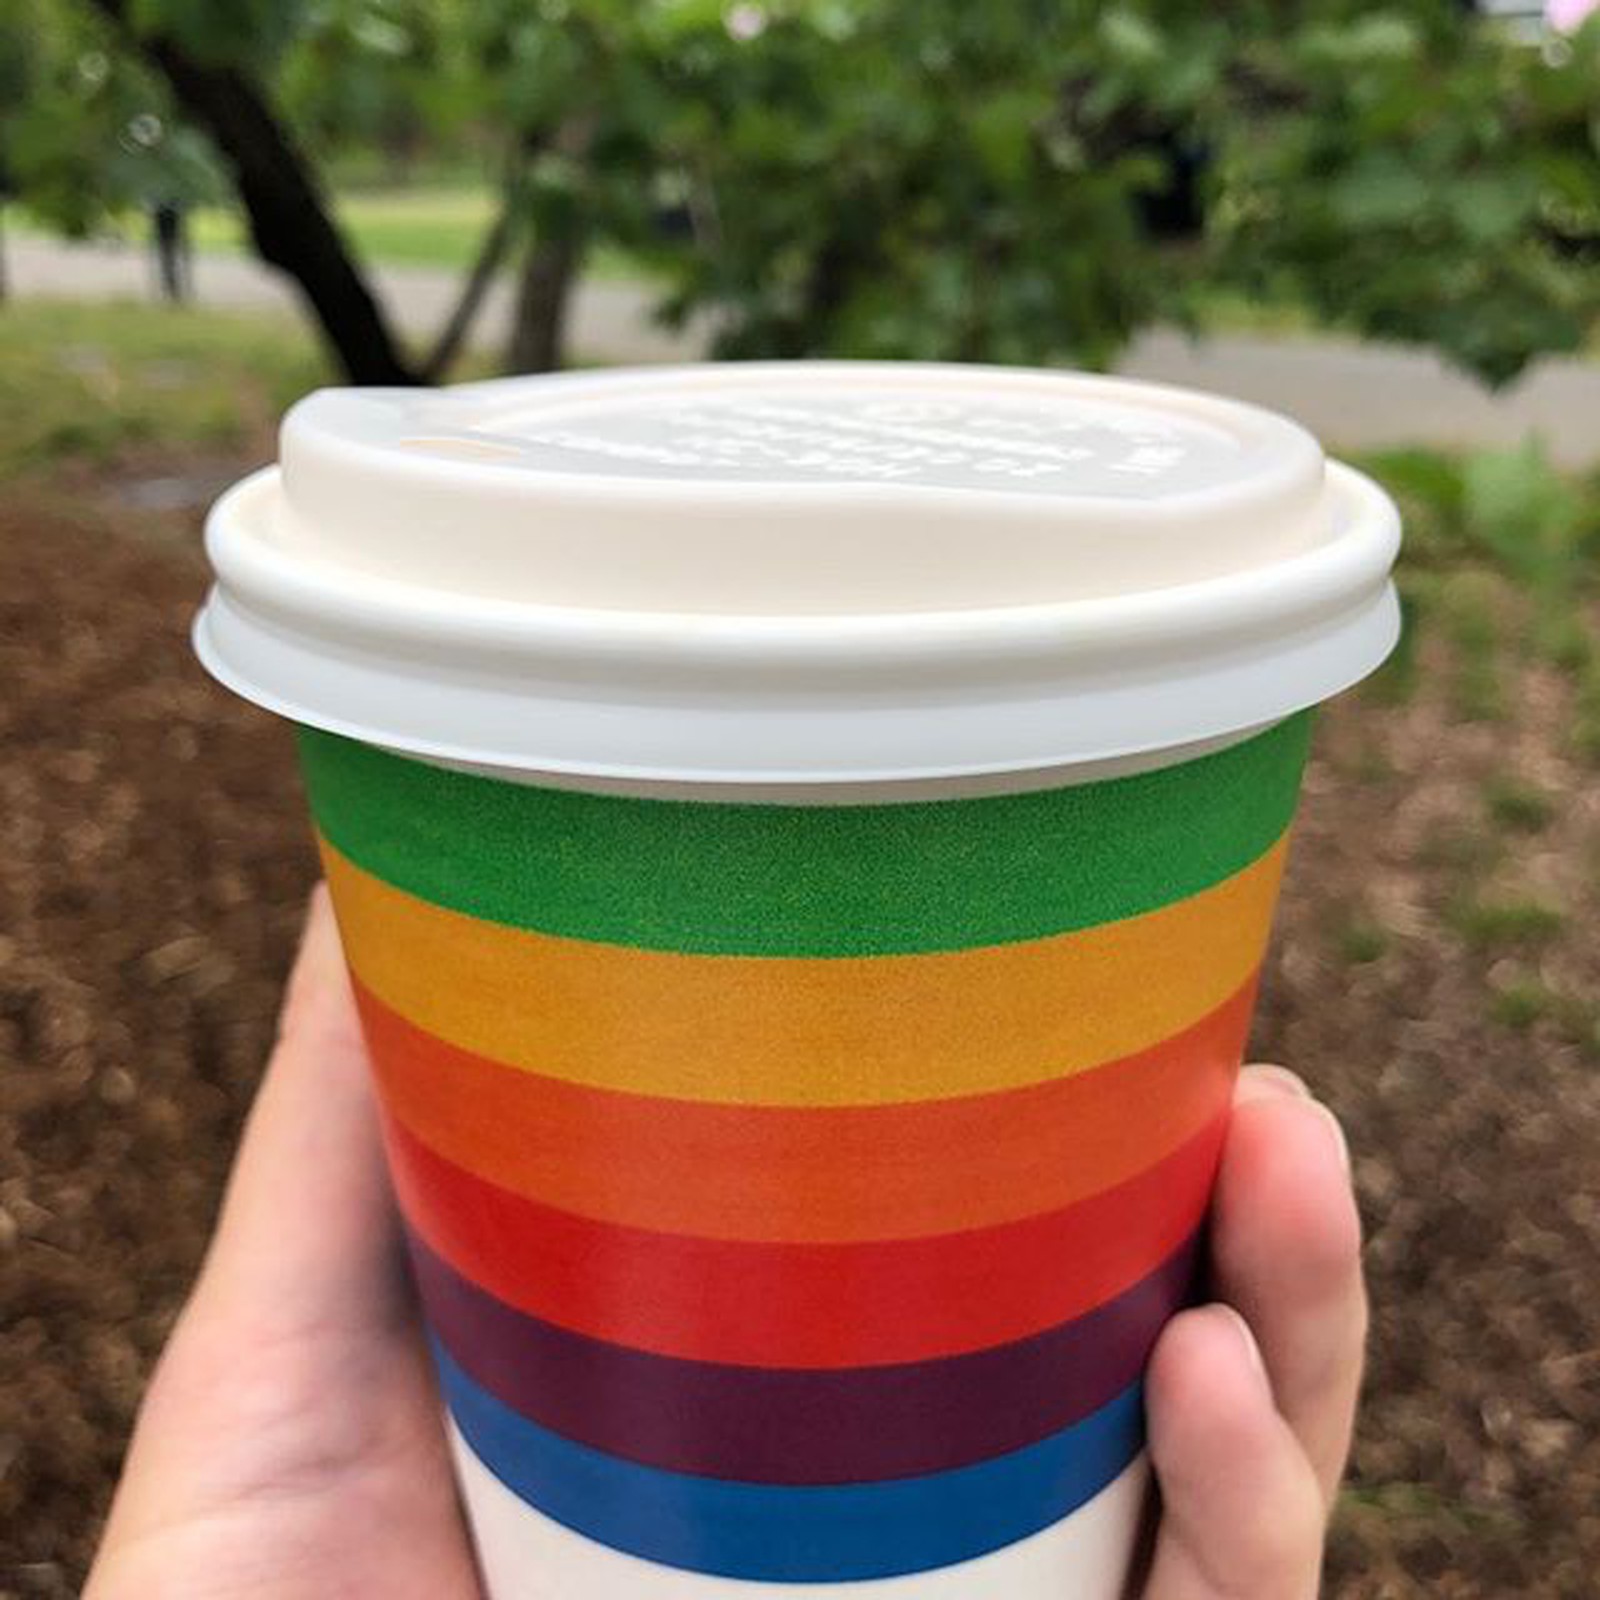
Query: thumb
[1241,1509]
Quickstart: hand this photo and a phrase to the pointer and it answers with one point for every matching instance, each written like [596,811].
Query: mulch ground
[154,871]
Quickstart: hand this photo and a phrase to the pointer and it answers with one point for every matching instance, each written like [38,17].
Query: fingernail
[1336,1132]
[1263,1079]
[1248,1339]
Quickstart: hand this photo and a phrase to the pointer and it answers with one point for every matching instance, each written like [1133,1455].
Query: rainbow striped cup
[804,1039]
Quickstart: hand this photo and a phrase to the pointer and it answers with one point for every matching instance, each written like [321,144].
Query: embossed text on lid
[862,435]
[822,488]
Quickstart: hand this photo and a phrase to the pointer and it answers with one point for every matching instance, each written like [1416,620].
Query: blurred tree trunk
[544,293]
[497,243]
[560,237]
[289,222]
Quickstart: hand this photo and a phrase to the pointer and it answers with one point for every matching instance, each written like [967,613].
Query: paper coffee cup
[805,839]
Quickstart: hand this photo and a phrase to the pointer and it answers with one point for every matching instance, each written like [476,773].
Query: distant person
[174,262]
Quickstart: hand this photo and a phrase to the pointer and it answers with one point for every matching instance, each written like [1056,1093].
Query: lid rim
[1355,561]
[1198,706]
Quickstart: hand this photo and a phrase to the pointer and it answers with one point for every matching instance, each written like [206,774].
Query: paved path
[1350,394]
[610,322]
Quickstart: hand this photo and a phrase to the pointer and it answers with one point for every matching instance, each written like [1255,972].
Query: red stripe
[804,1305]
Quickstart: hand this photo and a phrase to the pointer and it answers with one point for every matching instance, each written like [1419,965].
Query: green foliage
[86,132]
[387,76]
[1428,486]
[1501,558]
[1537,525]
[1030,182]
[1414,176]
[946,181]
[1034,182]
[1518,508]
[1511,509]
[240,33]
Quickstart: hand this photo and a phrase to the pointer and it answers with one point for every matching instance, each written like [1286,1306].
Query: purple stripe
[800,1425]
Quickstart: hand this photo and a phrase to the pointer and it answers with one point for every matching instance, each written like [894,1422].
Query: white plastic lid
[813,572]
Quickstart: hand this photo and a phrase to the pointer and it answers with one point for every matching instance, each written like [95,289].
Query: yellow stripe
[804,1031]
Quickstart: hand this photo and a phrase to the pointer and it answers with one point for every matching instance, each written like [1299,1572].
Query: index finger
[308,1221]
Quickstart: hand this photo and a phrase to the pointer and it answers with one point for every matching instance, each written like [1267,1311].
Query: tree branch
[1257,90]
[544,293]
[289,222]
[550,268]
[491,256]
[1571,244]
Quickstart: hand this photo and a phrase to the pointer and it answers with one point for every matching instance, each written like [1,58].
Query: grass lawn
[432,225]
[423,227]
[428,226]
[84,384]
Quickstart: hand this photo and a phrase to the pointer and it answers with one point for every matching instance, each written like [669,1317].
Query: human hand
[289,1446]
[1251,1401]
[290,1443]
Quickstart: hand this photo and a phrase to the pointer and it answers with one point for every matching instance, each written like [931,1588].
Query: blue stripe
[808,1534]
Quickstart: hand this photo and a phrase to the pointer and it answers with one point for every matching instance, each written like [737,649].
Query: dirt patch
[1477,1471]
[155,869]
[152,880]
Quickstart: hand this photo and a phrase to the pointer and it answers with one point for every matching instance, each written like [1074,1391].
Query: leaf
[382,36]
[1491,207]
[1383,37]
[244,33]
[1131,36]
[1380,191]
[1001,127]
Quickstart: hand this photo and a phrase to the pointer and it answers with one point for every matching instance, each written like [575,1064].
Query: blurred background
[1384,219]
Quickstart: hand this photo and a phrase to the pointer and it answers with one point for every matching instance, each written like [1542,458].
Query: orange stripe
[785,1173]
[802,1031]
[866,1303]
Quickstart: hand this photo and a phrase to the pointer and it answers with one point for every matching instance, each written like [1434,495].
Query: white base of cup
[524,1555]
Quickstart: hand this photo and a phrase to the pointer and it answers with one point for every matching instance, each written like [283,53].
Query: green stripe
[805,880]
